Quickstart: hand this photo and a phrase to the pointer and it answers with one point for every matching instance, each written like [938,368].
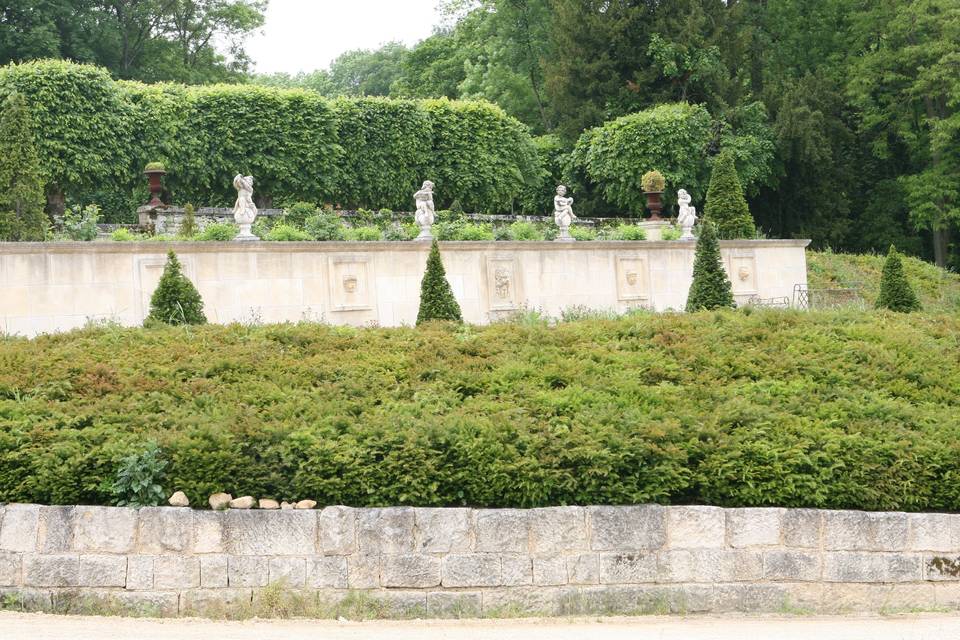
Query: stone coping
[360,247]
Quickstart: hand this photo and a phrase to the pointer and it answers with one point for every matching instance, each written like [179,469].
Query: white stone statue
[563,214]
[425,211]
[244,211]
[688,215]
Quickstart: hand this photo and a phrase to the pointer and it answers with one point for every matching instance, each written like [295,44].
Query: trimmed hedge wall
[95,135]
[836,410]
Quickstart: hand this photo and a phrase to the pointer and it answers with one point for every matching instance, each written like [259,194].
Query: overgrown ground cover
[826,409]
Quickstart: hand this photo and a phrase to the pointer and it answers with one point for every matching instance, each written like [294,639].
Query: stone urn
[654,203]
[155,173]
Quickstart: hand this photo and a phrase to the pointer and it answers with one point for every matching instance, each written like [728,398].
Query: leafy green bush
[653,182]
[436,297]
[219,232]
[711,288]
[523,231]
[286,233]
[629,232]
[123,235]
[726,206]
[21,181]
[583,233]
[474,232]
[138,478]
[154,166]
[671,233]
[326,225]
[896,293]
[400,232]
[363,234]
[81,223]
[176,300]
[537,195]
[188,225]
[297,213]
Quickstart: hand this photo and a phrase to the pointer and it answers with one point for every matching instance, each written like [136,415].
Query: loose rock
[306,504]
[179,499]
[286,505]
[220,501]
[266,503]
[245,502]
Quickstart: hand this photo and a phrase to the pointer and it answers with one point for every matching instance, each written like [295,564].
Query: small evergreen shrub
[629,232]
[286,233]
[297,213]
[154,166]
[710,289]
[896,294]
[364,234]
[726,205]
[219,232]
[21,178]
[653,182]
[123,235]
[81,223]
[437,301]
[583,233]
[137,483]
[176,300]
[325,226]
[188,225]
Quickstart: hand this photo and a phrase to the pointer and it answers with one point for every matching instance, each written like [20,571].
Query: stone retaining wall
[441,562]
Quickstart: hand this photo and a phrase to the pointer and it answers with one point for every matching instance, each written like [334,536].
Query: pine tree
[726,206]
[176,300]
[711,288]
[21,180]
[896,293]
[436,296]
[188,225]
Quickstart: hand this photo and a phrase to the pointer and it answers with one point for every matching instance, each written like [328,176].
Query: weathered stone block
[628,568]
[558,529]
[584,568]
[444,530]
[516,570]
[290,571]
[338,531]
[865,598]
[472,570]
[261,533]
[388,530]
[55,531]
[803,528]
[709,565]
[696,527]
[947,594]
[103,571]
[176,572]
[504,530]
[935,532]
[405,604]
[26,599]
[410,570]
[861,531]
[154,604]
[754,598]
[627,528]
[18,529]
[208,531]
[456,604]
[214,603]
[248,571]
[139,573]
[327,571]
[941,567]
[214,571]
[104,529]
[871,567]
[541,601]
[363,571]
[10,569]
[62,570]
[754,527]
[549,570]
[791,566]
[638,600]
[165,530]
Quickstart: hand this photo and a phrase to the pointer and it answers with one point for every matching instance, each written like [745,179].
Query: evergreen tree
[21,180]
[176,300]
[711,288]
[726,206]
[896,293]
[436,296]
[188,226]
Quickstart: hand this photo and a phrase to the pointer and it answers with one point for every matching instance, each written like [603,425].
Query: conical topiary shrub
[726,207]
[436,296]
[176,300]
[711,287]
[896,293]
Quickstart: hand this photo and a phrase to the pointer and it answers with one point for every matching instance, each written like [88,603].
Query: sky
[305,35]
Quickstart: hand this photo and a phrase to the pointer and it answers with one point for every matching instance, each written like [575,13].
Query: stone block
[176,572]
[10,564]
[156,604]
[503,530]
[289,571]
[885,598]
[938,532]
[940,567]
[696,528]
[516,570]
[248,571]
[18,529]
[549,570]
[558,529]
[761,598]
[627,528]
[584,568]
[165,530]
[709,565]
[55,531]
[363,571]
[410,571]
[754,527]
[214,571]
[947,595]
[208,531]
[402,604]
[537,601]
[269,533]
[643,600]
[457,604]
[628,568]
[861,531]
[338,531]
[28,600]
[444,530]
[388,530]
[104,529]
[61,570]
[139,573]
[327,572]
[803,528]
[215,603]
[791,566]
[871,567]
[472,570]
[103,571]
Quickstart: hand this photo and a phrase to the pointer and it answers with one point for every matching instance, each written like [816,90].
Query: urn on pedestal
[155,172]
[653,184]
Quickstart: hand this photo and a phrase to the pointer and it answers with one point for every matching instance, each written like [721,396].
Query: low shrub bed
[834,409]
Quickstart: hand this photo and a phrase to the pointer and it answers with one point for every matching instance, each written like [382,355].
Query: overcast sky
[304,35]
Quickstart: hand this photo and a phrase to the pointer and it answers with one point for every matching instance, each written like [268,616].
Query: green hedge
[95,135]
[840,409]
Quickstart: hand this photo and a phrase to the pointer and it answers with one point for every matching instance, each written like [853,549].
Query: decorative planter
[654,203]
[156,186]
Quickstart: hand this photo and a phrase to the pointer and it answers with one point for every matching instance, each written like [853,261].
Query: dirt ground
[17,626]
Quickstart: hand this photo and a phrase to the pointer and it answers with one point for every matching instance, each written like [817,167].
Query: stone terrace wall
[441,562]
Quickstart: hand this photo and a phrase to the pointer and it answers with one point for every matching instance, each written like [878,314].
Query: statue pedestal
[245,234]
[564,236]
[425,235]
[654,228]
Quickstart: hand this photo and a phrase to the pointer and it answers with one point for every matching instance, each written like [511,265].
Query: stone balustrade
[439,562]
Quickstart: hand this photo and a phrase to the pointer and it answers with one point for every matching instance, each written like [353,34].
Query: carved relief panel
[351,286]
[742,270]
[633,278]
[504,286]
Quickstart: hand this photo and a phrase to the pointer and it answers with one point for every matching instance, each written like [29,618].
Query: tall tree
[21,183]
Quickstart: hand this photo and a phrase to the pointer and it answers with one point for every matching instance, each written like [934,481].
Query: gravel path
[17,626]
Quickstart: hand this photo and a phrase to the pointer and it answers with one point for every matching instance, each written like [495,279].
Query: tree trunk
[941,246]
[56,202]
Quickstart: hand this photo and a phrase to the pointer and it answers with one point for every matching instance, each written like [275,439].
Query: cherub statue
[244,211]
[688,215]
[425,211]
[563,213]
